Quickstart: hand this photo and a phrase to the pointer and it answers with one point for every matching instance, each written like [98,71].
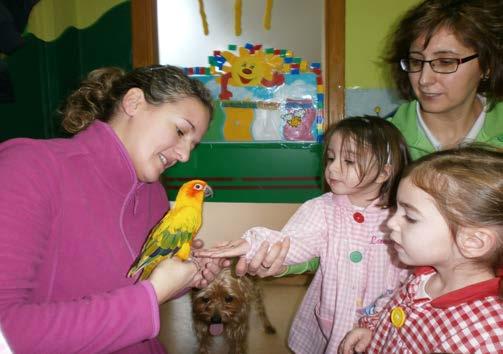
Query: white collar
[469,137]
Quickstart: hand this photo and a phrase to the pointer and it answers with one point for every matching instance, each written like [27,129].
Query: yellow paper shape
[237,126]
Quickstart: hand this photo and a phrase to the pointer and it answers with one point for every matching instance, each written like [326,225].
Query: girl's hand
[225,250]
[172,275]
[267,261]
[357,340]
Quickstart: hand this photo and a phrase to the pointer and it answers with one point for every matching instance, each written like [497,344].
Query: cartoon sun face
[250,69]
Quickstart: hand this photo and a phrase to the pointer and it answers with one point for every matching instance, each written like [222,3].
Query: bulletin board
[264,165]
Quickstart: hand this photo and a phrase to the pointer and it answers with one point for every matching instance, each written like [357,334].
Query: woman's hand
[172,275]
[268,261]
[225,249]
[209,267]
[356,340]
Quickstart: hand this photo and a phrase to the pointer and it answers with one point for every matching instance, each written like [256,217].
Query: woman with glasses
[446,59]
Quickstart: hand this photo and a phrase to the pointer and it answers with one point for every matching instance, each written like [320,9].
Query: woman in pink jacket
[75,212]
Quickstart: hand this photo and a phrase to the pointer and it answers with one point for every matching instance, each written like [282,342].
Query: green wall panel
[253,172]
[44,73]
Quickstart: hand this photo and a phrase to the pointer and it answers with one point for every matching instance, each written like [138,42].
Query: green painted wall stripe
[253,172]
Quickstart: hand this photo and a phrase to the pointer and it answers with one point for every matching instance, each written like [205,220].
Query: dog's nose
[216,319]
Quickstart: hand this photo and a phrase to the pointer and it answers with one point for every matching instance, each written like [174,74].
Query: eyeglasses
[439,65]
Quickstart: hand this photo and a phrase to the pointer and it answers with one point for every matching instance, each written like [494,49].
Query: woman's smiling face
[158,136]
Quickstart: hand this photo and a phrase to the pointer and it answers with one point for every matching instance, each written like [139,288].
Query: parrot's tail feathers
[132,272]
[146,272]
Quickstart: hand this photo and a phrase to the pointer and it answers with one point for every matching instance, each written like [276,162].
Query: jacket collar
[409,126]
[469,293]
[416,138]
[493,128]
[110,158]
[343,201]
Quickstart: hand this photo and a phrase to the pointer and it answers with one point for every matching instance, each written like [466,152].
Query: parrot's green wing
[176,228]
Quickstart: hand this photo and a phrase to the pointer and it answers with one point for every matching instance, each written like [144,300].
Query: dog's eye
[229,298]
[205,299]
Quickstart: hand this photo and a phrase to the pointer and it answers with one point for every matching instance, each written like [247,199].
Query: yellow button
[397,316]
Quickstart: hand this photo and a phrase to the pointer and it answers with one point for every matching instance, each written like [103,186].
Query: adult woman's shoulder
[16,153]
[404,114]
[492,132]
[27,163]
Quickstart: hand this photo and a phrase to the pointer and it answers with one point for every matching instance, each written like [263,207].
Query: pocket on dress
[324,323]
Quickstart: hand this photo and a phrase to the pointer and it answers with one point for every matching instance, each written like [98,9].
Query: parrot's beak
[208,192]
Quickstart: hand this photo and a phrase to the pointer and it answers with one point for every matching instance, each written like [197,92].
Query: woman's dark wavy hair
[478,24]
[102,91]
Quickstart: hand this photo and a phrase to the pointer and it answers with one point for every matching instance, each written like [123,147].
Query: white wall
[296,25]
[228,221]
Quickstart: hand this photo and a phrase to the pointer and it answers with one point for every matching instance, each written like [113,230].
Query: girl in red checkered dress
[449,217]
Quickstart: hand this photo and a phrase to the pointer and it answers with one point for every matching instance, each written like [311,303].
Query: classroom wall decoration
[263,95]
[238,8]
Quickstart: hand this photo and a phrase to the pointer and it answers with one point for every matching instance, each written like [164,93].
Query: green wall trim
[253,172]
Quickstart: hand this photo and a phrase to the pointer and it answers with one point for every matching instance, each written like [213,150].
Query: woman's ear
[384,174]
[132,100]
[476,242]
[485,76]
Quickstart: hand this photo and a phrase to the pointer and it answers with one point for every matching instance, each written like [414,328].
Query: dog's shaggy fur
[223,308]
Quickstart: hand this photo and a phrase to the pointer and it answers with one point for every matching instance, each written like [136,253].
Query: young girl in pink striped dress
[345,228]
[449,217]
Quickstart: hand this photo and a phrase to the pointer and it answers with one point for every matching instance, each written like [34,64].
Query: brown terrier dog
[223,308]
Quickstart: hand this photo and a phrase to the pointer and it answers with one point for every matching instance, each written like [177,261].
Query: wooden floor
[282,297]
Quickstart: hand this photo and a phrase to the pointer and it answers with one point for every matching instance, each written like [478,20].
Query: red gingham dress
[468,320]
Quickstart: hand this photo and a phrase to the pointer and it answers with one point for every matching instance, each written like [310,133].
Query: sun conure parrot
[173,235]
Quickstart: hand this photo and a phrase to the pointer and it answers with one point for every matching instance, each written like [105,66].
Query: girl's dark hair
[467,186]
[477,24]
[102,91]
[378,143]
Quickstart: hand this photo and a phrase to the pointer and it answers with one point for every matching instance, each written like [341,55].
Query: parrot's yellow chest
[184,251]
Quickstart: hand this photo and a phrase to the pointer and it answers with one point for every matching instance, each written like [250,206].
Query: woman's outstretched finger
[233,249]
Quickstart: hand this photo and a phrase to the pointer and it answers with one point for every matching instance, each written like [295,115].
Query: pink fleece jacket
[73,217]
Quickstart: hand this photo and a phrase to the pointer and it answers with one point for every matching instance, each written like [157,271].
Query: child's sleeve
[370,322]
[311,266]
[307,230]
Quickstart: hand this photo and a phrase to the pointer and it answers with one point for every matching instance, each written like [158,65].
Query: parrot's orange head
[195,190]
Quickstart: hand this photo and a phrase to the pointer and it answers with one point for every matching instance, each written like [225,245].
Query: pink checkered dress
[468,320]
[355,267]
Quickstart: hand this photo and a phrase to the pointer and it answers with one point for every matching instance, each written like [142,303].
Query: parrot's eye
[229,298]
[198,187]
